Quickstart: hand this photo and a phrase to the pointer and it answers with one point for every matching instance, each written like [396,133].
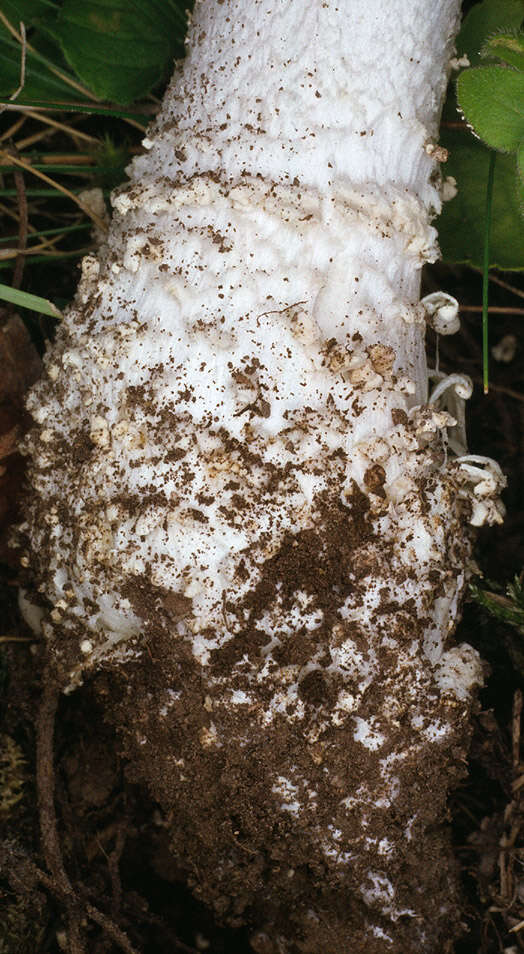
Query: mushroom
[265,547]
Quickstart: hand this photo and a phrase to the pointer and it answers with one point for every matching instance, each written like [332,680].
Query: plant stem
[485,272]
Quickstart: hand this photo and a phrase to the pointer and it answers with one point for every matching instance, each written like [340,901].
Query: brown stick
[59,882]
[494,309]
[516,729]
[18,271]
[111,929]
[45,782]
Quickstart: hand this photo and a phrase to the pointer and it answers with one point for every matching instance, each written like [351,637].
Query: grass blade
[24,300]
[91,110]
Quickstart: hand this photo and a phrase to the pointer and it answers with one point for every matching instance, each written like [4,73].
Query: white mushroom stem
[236,480]
[461,384]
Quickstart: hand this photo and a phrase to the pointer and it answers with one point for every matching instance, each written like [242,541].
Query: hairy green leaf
[485,19]
[120,48]
[492,100]
[461,225]
[507,46]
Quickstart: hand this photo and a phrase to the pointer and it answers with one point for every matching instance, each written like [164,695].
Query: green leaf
[120,48]
[25,300]
[461,224]
[41,83]
[485,19]
[508,608]
[26,10]
[506,46]
[492,100]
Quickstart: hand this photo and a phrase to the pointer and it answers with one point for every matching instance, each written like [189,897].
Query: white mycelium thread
[234,413]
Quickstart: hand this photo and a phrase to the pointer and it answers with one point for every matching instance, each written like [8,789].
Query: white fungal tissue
[243,506]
